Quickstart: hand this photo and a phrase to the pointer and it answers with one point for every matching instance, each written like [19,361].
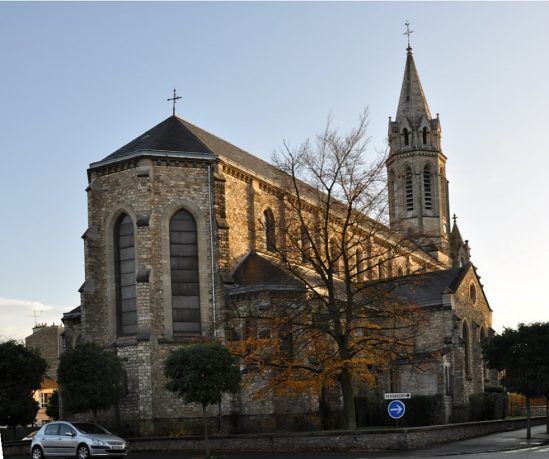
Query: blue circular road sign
[396,409]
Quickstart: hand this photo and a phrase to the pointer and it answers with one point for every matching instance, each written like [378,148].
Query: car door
[50,439]
[67,440]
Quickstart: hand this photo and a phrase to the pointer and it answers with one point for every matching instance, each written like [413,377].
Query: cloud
[18,316]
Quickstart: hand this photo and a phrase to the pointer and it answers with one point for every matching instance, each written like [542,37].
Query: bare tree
[348,315]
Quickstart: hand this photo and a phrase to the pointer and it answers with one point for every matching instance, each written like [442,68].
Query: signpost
[396,409]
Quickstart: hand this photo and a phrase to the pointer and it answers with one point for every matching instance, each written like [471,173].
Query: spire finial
[455,219]
[174,98]
[408,32]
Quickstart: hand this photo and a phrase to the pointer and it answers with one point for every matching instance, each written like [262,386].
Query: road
[505,445]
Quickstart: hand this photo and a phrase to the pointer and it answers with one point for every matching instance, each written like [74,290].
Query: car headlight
[97,442]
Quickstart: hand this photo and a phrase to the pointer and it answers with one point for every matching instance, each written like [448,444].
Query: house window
[406,136]
[427,187]
[424,132]
[409,189]
[270,230]
[45,398]
[126,292]
[184,273]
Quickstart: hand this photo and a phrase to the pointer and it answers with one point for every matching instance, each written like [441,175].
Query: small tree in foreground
[52,410]
[90,378]
[202,373]
[522,354]
[21,370]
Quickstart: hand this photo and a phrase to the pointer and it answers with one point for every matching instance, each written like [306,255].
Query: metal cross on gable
[408,32]
[174,98]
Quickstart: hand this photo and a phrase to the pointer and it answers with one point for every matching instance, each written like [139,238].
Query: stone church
[175,217]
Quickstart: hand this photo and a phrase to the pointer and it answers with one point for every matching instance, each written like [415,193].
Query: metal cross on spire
[455,219]
[408,32]
[174,98]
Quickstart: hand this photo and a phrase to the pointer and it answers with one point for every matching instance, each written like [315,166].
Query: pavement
[499,442]
[494,443]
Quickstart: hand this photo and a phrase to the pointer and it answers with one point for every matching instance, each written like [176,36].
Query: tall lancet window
[126,292]
[406,136]
[270,230]
[428,187]
[409,189]
[184,272]
[424,133]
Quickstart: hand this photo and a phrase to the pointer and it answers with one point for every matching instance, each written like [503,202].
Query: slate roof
[423,289]
[177,137]
[256,270]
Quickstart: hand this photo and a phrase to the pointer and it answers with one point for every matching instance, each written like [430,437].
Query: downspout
[210,205]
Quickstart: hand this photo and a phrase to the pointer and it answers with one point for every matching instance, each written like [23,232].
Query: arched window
[126,292]
[409,189]
[466,348]
[270,230]
[305,245]
[184,272]
[334,255]
[380,269]
[424,135]
[359,265]
[484,364]
[427,187]
[406,136]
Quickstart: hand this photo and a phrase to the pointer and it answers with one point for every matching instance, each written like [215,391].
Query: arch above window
[126,286]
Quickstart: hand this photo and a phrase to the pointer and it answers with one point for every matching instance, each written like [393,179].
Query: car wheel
[82,452]
[37,453]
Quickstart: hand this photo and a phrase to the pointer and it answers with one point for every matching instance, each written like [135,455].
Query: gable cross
[174,98]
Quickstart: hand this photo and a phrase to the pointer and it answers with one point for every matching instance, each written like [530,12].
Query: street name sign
[397,395]
[396,409]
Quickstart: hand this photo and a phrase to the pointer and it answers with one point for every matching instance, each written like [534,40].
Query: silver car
[76,439]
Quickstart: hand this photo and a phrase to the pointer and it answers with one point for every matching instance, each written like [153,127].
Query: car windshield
[86,427]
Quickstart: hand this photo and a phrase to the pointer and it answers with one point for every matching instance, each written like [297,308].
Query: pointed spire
[412,104]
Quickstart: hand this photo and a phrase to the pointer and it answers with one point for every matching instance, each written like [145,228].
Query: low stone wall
[363,440]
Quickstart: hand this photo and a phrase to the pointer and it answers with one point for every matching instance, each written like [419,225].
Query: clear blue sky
[79,80]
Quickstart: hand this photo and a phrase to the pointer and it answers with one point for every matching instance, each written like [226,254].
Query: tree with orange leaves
[345,314]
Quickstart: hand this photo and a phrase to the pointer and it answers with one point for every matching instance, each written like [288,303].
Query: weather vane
[408,32]
[174,98]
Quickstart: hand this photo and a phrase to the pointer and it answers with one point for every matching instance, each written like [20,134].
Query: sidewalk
[503,441]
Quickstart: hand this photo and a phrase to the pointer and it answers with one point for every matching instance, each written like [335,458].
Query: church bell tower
[417,184]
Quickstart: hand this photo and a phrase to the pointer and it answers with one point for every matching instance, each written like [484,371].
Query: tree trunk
[347,390]
[528,426]
[207,445]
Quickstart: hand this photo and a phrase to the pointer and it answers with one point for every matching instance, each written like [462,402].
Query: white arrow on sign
[397,409]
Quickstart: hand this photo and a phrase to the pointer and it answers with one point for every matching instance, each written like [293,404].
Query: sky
[80,80]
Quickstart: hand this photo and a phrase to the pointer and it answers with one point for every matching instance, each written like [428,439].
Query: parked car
[82,440]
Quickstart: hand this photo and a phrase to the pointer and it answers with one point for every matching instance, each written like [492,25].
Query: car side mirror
[69,434]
